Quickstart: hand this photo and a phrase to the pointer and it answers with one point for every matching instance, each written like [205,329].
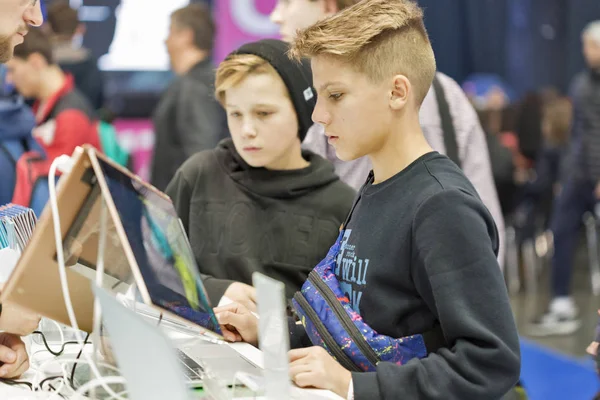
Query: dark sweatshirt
[420,249]
[241,219]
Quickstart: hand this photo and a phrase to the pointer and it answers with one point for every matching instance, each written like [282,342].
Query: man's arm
[456,273]
[199,118]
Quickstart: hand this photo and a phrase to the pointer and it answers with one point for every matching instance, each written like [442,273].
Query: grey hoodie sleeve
[199,118]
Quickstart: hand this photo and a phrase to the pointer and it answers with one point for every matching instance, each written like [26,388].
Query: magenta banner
[242,21]
[137,137]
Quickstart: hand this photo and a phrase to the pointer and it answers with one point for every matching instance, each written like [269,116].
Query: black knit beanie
[297,77]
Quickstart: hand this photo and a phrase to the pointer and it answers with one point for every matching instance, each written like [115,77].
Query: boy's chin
[345,155]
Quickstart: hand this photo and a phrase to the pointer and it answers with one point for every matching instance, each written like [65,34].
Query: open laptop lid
[145,356]
[157,246]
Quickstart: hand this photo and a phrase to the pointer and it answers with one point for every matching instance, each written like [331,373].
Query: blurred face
[178,39]
[25,75]
[591,51]
[354,111]
[15,17]
[292,15]
[263,123]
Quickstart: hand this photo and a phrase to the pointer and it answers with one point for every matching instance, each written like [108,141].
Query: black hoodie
[241,219]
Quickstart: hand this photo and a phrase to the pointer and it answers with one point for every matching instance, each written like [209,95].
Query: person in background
[292,15]
[64,117]
[15,18]
[67,32]
[580,190]
[539,185]
[258,202]
[187,119]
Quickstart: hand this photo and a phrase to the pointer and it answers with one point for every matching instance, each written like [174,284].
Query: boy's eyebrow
[255,105]
[327,84]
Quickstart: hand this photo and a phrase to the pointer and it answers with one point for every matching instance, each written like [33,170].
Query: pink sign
[137,137]
[242,21]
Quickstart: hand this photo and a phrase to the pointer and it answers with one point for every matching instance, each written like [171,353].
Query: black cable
[48,379]
[12,382]
[72,379]
[54,353]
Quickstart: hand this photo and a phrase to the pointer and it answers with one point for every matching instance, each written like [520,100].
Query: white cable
[99,382]
[60,331]
[66,160]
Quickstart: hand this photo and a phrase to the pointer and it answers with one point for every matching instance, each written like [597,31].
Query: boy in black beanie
[258,202]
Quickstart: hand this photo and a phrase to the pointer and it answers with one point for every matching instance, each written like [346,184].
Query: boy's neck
[405,144]
[53,79]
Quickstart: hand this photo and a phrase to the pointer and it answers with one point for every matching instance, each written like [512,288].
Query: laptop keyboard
[193,370]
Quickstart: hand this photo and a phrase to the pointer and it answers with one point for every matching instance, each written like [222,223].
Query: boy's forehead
[328,70]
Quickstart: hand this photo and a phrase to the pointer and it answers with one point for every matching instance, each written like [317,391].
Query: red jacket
[66,121]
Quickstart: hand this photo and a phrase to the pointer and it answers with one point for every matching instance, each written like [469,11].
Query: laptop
[150,375]
[145,244]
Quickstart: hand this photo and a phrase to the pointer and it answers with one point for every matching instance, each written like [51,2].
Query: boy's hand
[14,360]
[238,323]
[314,367]
[241,293]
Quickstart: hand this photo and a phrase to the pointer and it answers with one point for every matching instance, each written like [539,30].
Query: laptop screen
[161,249]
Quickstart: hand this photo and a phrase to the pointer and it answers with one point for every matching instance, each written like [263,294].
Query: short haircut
[238,67]
[379,38]
[592,30]
[198,18]
[36,41]
[63,19]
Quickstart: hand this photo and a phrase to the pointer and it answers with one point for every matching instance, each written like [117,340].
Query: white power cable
[99,382]
[65,161]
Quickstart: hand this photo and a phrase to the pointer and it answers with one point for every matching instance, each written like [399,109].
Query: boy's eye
[264,114]
[335,96]
[235,114]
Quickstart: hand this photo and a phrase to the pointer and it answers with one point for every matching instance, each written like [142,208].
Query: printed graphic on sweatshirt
[351,271]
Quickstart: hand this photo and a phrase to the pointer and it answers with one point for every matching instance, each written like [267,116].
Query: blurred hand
[597,191]
[314,367]
[17,320]
[238,323]
[14,359]
[243,294]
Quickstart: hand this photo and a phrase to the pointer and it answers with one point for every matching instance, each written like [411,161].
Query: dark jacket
[585,92]
[187,120]
[241,219]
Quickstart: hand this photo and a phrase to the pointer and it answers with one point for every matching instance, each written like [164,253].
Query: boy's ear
[400,92]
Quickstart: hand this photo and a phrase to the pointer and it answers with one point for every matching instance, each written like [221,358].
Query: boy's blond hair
[236,68]
[380,38]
